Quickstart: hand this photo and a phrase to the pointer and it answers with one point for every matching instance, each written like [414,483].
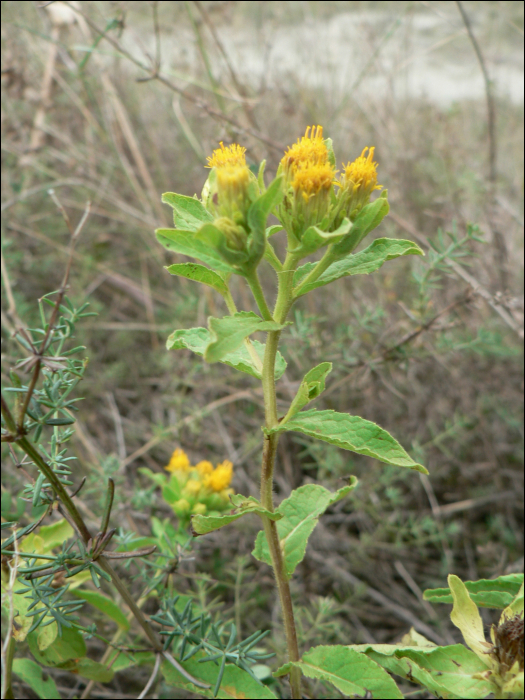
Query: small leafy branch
[35,592]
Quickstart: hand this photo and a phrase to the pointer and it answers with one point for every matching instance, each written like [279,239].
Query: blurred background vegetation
[124,103]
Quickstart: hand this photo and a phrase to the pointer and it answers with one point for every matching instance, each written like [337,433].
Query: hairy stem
[282,306]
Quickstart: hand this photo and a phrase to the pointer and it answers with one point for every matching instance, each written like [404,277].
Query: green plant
[226,229]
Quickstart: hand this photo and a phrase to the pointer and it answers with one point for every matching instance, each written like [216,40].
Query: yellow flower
[221,476]
[358,181]
[308,179]
[230,192]
[309,150]
[179,462]
[312,179]
[227,155]
[204,467]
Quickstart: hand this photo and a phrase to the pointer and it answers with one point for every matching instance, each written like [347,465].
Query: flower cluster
[308,170]
[197,490]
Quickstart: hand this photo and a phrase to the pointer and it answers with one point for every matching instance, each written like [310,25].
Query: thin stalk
[282,306]
[318,270]
[255,285]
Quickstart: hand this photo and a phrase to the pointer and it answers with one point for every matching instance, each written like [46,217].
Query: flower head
[220,478]
[357,182]
[179,462]
[308,179]
[227,156]
[310,149]
[204,467]
[230,191]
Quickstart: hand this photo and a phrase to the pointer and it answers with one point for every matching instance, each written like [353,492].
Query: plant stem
[282,306]
[318,270]
[255,286]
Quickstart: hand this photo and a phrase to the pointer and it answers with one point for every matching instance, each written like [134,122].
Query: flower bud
[308,176]
[357,182]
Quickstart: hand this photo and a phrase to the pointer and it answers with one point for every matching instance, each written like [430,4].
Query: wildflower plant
[194,490]
[226,229]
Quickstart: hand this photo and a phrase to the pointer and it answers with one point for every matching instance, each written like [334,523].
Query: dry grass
[452,394]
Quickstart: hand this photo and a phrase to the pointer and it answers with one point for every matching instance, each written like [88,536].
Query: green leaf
[70,645]
[55,534]
[92,670]
[515,607]
[445,671]
[362,263]
[228,333]
[314,238]
[187,243]
[272,230]
[486,593]
[198,339]
[300,513]
[105,605]
[310,388]
[368,219]
[202,524]
[188,212]
[465,615]
[353,674]
[199,273]
[236,683]
[257,215]
[31,673]
[351,433]
[46,635]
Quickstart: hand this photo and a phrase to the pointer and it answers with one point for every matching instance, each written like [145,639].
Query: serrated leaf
[187,243]
[236,683]
[202,524]
[229,332]
[31,674]
[199,273]
[465,615]
[367,220]
[197,340]
[351,433]
[486,593]
[362,263]
[351,673]
[105,605]
[188,212]
[309,389]
[300,513]
[445,671]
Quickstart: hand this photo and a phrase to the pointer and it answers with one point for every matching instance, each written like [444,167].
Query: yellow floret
[204,467]
[179,462]
[309,149]
[362,173]
[313,179]
[221,477]
[227,155]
